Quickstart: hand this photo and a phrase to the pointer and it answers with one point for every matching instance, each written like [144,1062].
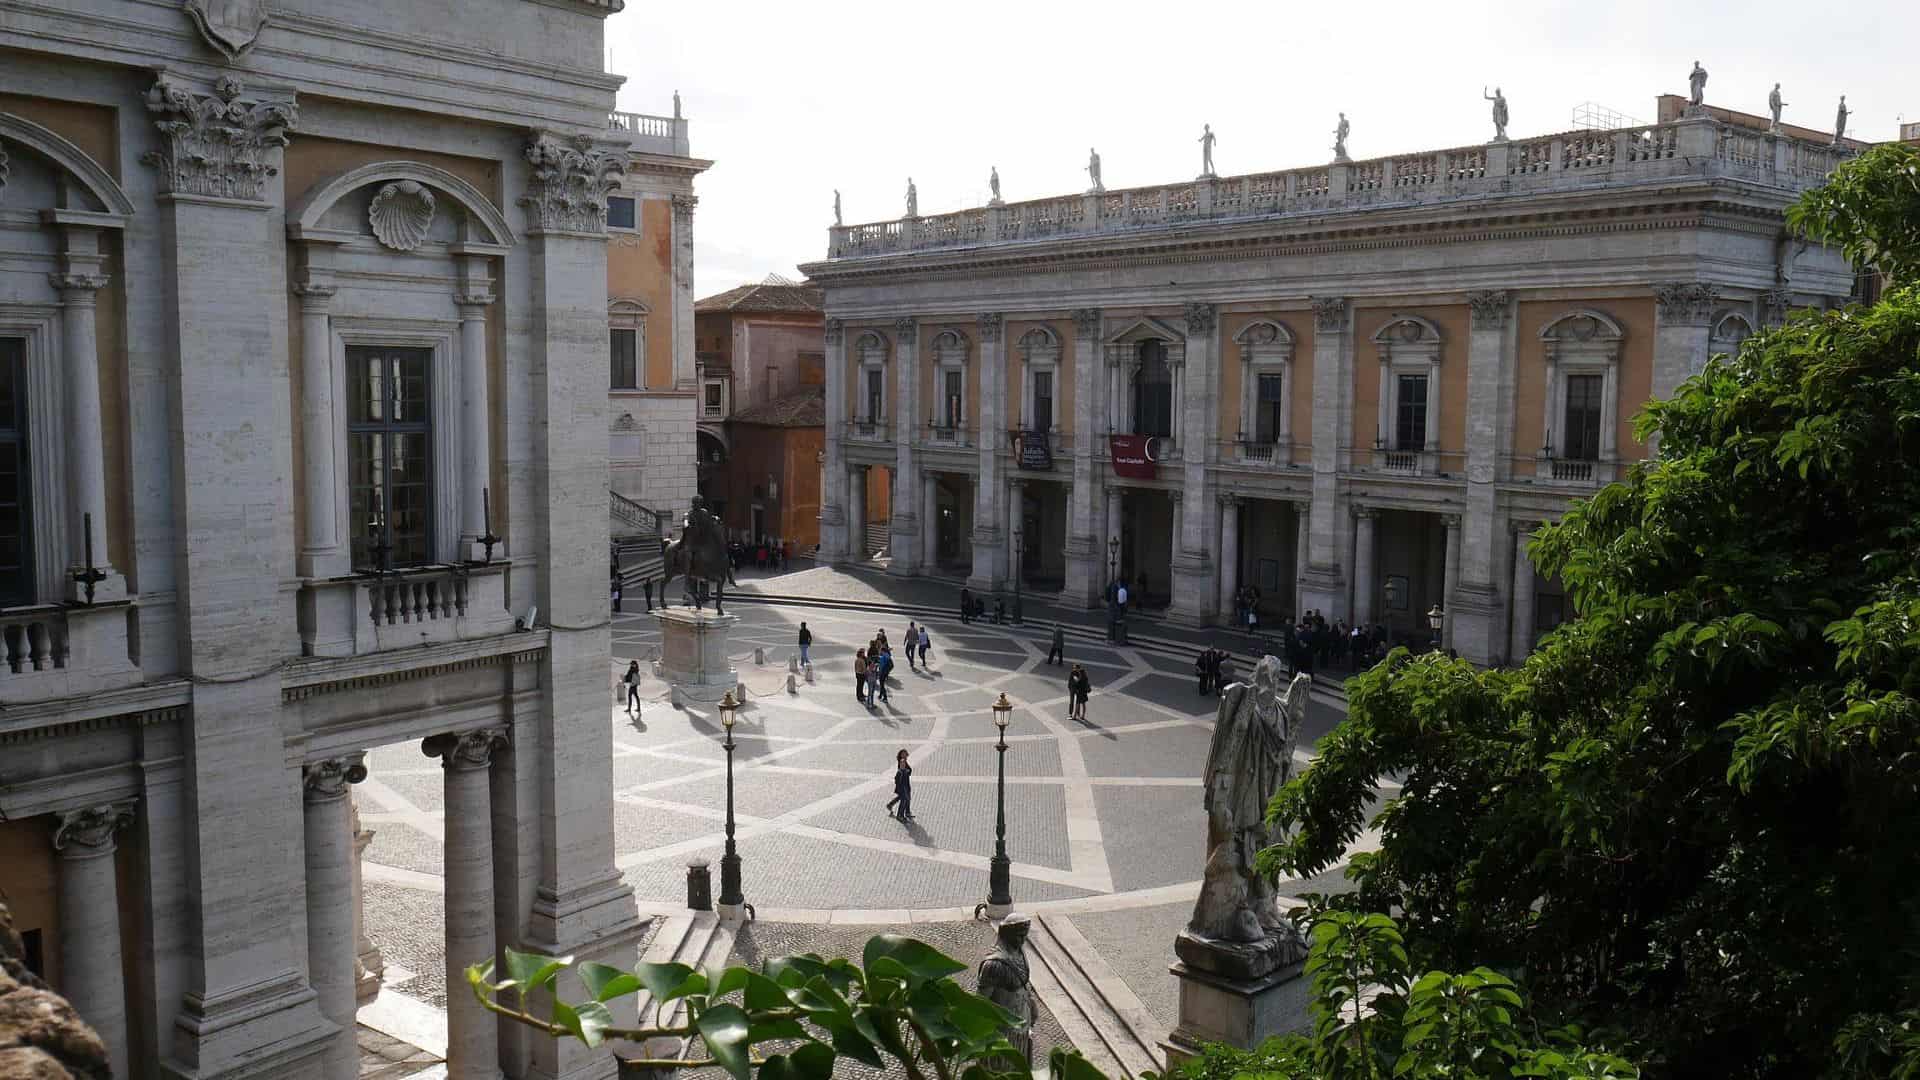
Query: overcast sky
[792,100]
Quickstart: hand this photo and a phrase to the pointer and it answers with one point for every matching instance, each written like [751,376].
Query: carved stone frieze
[219,144]
[1685,303]
[401,213]
[84,285]
[836,330]
[1087,320]
[1778,301]
[1330,314]
[991,323]
[466,750]
[1201,318]
[1490,308]
[330,778]
[572,175]
[312,291]
[91,827]
[683,208]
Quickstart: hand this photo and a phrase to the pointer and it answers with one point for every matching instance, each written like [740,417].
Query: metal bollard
[809,674]
[699,885]
[793,664]
[740,693]
[676,699]
[791,689]
[759,656]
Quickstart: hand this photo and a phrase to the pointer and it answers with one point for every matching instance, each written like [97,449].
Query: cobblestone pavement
[1103,819]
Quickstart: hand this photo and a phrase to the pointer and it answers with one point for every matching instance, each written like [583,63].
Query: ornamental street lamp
[1000,870]
[730,897]
[1435,620]
[1113,560]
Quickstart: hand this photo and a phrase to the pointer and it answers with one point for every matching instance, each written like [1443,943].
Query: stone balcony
[665,135]
[367,613]
[54,651]
[1574,160]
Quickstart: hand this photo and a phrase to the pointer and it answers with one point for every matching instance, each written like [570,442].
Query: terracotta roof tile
[762,296]
[806,408]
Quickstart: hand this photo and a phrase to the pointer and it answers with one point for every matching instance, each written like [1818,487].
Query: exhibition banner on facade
[1129,453]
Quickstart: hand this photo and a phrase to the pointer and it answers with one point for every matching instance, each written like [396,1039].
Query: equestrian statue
[700,555]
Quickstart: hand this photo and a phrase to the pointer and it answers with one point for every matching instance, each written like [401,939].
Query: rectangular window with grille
[389,457]
[1580,435]
[876,394]
[713,399]
[16,522]
[1410,414]
[624,349]
[953,398]
[1266,417]
[1043,401]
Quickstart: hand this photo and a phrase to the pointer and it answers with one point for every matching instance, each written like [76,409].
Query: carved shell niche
[401,214]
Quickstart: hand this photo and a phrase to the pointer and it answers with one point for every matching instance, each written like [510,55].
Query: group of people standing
[873,665]
[1215,669]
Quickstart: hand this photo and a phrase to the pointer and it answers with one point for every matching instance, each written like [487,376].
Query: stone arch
[872,341]
[1040,339]
[1264,332]
[1730,328]
[481,214]
[950,340]
[99,184]
[1582,325]
[1408,330]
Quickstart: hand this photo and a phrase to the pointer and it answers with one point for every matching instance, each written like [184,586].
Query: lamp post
[1019,569]
[1435,620]
[1000,870]
[1113,560]
[1391,590]
[731,901]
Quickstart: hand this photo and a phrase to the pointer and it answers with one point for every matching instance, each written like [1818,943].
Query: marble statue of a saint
[1237,927]
[1697,86]
[1774,105]
[1340,139]
[1206,151]
[836,207]
[913,199]
[993,185]
[1004,980]
[676,104]
[1499,113]
[1093,168]
[1840,121]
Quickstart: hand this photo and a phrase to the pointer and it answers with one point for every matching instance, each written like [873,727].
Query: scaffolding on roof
[1593,116]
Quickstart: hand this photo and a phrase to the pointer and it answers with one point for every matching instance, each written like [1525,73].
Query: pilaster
[1196,399]
[1473,602]
[833,501]
[904,547]
[1682,328]
[683,335]
[1324,587]
[1086,542]
[989,538]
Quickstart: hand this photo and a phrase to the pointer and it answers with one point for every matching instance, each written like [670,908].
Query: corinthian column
[330,903]
[89,898]
[834,500]
[988,540]
[85,439]
[1086,547]
[902,544]
[476,416]
[473,1051]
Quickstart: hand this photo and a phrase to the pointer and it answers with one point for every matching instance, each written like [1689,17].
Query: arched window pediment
[93,189]
[484,224]
[1039,345]
[1730,328]
[872,347]
[950,348]
[1265,332]
[1583,333]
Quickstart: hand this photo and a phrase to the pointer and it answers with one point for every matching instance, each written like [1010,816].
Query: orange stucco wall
[644,272]
[26,850]
[1453,324]
[311,160]
[89,127]
[1634,380]
[791,457]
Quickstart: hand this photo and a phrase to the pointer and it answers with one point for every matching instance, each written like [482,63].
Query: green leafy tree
[1691,814]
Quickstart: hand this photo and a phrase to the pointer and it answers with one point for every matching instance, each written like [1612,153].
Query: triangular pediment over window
[1145,328]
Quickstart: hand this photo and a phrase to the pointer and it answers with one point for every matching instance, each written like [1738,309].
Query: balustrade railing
[1570,469]
[1401,461]
[641,124]
[1579,156]
[879,428]
[34,639]
[418,596]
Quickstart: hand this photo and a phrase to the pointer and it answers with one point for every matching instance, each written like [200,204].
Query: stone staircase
[697,939]
[1100,1014]
[879,539]
[637,532]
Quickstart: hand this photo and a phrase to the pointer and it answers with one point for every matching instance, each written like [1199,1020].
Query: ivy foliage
[1692,814]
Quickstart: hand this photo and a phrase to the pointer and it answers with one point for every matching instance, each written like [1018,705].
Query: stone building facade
[1356,386]
[303,312]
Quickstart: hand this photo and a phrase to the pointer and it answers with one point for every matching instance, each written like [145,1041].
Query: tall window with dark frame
[1580,435]
[1043,401]
[953,398]
[623,346]
[620,212]
[1266,417]
[1153,392]
[389,456]
[876,394]
[1410,414]
[16,519]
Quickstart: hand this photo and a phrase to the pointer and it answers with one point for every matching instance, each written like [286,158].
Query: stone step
[1098,1011]
[698,939]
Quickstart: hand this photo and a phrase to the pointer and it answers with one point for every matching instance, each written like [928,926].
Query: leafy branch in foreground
[900,1003]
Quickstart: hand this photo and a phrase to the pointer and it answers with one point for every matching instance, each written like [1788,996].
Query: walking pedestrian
[1203,667]
[860,676]
[910,641]
[632,679]
[926,643]
[648,585]
[1057,654]
[616,595]
[883,669]
[806,642]
[902,788]
[1078,688]
[966,605]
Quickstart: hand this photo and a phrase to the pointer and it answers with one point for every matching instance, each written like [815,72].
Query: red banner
[1130,458]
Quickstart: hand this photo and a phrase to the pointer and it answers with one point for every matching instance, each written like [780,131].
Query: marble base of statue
[1238,993]
[693,656]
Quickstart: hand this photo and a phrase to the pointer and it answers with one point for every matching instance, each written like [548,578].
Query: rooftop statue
[1499,113]
[1340,139]
[836,207]
[913,199]
[1206,152]
[993,184]
[1774,105]
[1697,86]
[1840,121]
[1093,168]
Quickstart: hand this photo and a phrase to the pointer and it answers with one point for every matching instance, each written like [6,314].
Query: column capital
[1330,314]
[1201,318]
[1522,526]
[217,144]
[991,324]
[683,205]
[473,302]
[78,288]
[1360,513]
[1087,320]
[1490,308]
[328,779]
[1451,521]
[1779,299]
[1228,500]
[91,828]
[835,331]
[568,186]
[466,749]
[313,292]
[908,328]
[1685,303]
[1177,495]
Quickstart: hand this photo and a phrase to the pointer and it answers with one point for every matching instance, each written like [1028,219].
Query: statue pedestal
[1238,1012]
[693,655]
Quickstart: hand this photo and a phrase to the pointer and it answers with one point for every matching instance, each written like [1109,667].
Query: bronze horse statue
[700,556]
